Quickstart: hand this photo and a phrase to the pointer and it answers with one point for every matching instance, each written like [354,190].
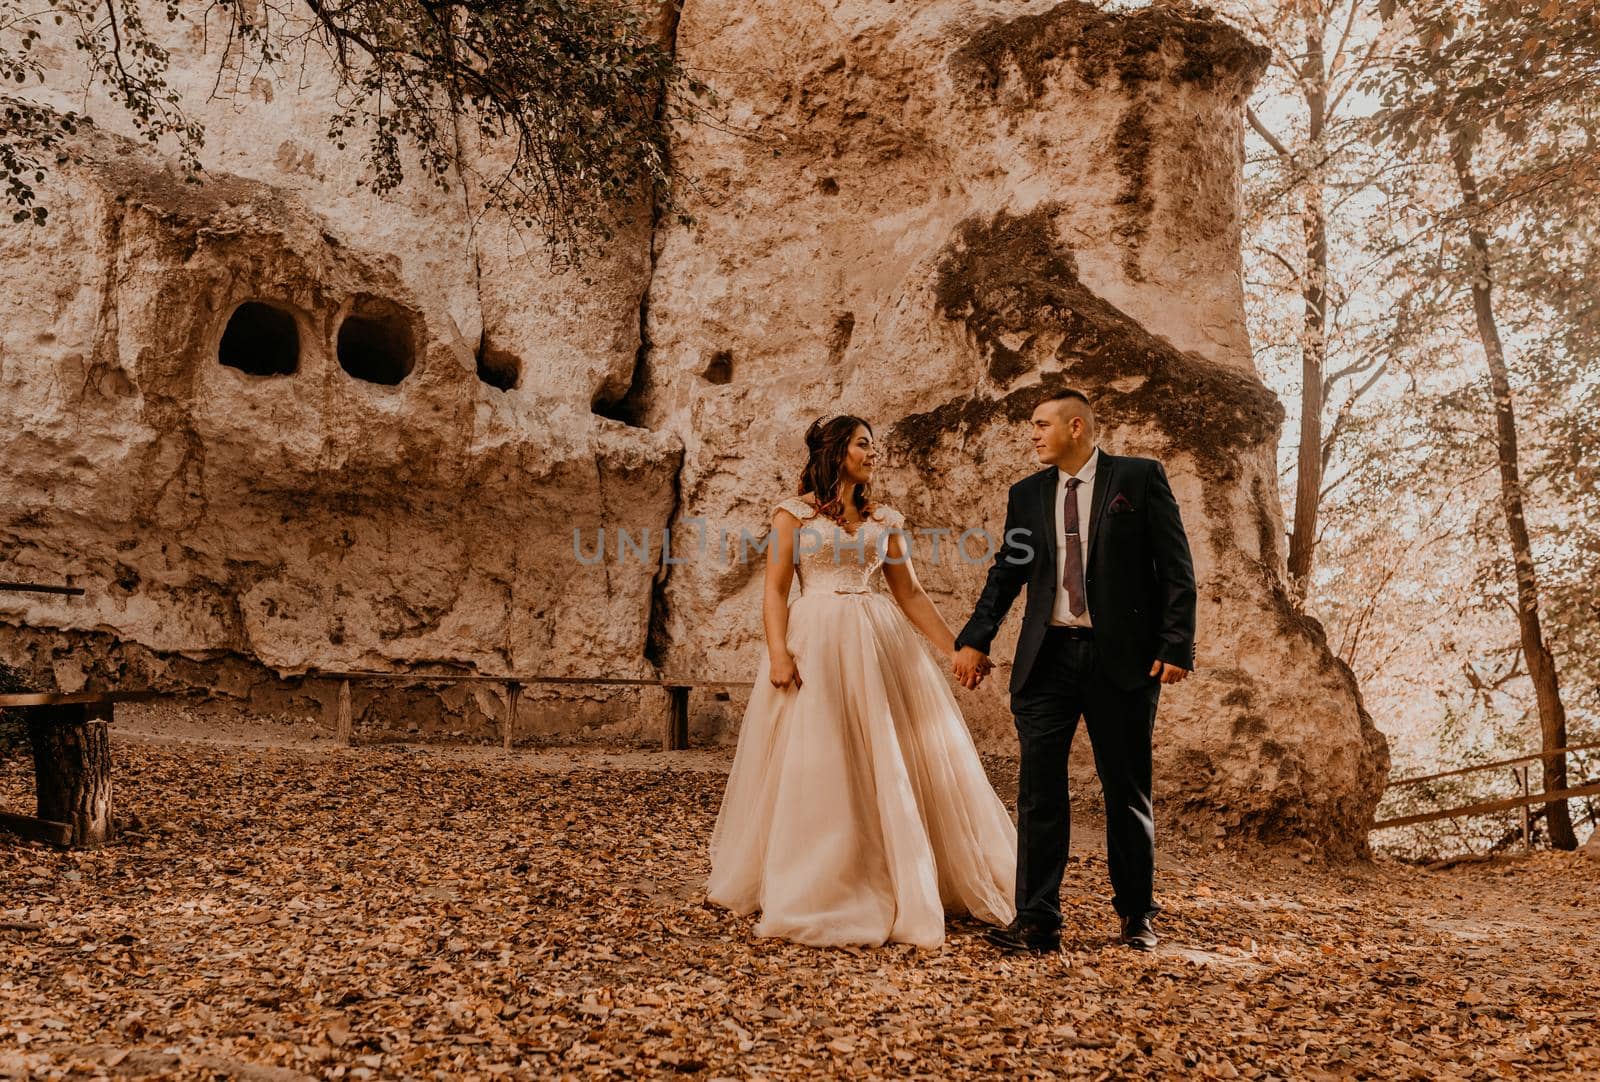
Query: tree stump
[675,735]
[72,768]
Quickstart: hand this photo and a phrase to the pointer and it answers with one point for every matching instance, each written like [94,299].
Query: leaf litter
[277,913]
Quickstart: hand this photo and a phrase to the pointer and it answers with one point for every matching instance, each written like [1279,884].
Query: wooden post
[508,726]
[72,769]
[1527,819]
[343,734]
[675,736]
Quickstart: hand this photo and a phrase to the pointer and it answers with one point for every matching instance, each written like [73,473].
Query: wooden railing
[1525,800]
[674,727]
[38,588]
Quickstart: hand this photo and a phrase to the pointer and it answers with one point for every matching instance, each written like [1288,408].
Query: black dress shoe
[1136,933]
[1025,937]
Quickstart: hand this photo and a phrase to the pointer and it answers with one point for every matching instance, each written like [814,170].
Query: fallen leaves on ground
[273,914]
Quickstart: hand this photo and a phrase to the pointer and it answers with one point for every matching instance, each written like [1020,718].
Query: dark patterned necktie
[1072,574]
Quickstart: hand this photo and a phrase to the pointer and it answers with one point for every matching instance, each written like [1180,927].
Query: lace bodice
[830,559]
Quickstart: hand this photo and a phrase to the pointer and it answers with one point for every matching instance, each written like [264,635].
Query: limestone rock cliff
[268,440]
[273,424]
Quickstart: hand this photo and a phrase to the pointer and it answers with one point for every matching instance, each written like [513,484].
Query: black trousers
[1063,686]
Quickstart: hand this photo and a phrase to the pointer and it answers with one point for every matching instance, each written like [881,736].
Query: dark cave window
[498,368]
[720,368]
[375,343]
[260,340]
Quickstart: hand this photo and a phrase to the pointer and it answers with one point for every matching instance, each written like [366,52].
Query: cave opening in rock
[498,368]
[375,343]
[260,340]
[719,369]
[630,408]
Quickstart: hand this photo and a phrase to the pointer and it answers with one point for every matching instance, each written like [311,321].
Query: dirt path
[283,908]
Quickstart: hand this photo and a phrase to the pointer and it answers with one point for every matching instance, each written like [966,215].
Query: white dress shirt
[1061,615]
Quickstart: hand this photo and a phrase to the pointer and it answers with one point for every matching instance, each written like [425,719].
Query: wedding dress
[857,811]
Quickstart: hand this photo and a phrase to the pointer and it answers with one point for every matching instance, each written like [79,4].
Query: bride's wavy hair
[827,443]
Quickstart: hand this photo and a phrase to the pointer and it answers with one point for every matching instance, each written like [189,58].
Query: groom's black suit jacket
[1138,577]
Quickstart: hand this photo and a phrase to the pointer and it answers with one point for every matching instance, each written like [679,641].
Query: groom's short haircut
[1074,403]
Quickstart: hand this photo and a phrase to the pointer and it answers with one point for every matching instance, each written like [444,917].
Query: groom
[1098,542]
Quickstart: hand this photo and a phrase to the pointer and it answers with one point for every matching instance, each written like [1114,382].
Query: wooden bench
[674,730]
[71,764]
[71,752]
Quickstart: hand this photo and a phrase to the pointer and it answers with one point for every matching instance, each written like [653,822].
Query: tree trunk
[1541,664]
[72,771]
[1314,336]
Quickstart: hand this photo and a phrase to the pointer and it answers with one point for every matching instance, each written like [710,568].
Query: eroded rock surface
[925,214]
[264,446]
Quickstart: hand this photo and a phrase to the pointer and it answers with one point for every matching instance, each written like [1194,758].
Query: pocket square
[1120,505]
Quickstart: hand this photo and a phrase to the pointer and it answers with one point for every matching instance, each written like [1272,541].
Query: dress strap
[796,507]
[889,517]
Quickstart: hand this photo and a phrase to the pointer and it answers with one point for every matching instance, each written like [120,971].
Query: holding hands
[970,666]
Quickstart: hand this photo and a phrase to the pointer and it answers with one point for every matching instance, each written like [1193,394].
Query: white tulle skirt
[857,811]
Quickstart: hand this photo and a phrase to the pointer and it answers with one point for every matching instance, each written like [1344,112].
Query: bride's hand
[784,672]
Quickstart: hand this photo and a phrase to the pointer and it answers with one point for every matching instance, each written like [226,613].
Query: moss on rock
[1171,44]
[1135,203]
[1008,278]
[1175,43]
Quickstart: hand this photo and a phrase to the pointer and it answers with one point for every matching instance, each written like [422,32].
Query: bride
[856,810]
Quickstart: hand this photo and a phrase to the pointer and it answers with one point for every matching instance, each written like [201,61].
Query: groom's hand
[970,665]
[1169,673]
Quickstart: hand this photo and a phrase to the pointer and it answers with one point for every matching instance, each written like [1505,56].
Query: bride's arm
[775,598]
[913,600]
